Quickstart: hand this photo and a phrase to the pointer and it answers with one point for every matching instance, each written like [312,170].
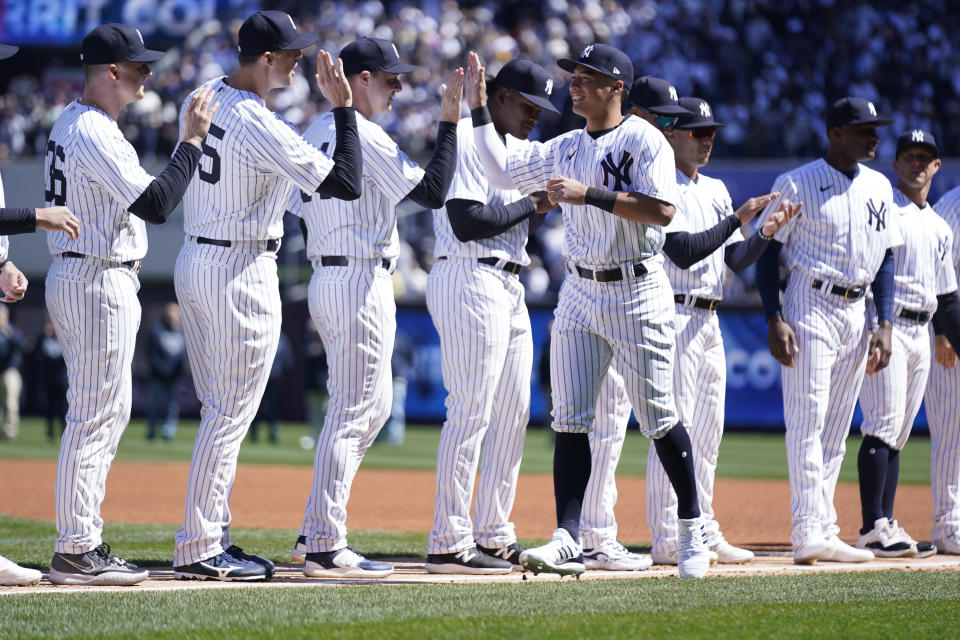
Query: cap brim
[400,67]
[665,109]
[7,50]
[932,147]
[877,121]
[569,65]
[147,55]
[302,41]
[700,125]
[543,103]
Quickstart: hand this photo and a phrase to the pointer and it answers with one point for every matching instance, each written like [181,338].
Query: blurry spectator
[11,350]
[402,365]
[316,372]
[273,395]
[51,380]
[167,354]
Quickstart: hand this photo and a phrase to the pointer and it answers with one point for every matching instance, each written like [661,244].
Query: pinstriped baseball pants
[355,314]
[819,396]
[230,302]
[943,416]
[699,385]
[96,313]
[486,346]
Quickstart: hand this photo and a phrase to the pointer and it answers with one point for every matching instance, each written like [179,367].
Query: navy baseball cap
[272,31]
[114,42]
[699,114]
[656,95]
[7,50]
[373,54]
[852,110]
[920,138]
[604,59]
[530,80]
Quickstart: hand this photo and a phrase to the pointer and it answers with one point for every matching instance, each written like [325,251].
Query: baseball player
[890,399]
[91,287]
[696,268]
[615,303]
[476,300]
[13,284]
[834,251]
[226,273]
[943,414]
[354,248]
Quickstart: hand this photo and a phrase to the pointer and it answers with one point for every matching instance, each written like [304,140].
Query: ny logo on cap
[673,94]
[292,26]
[616,70]
[586,52]
[704,110]
[139,35]
[549,88]
[916,135]
[395,52]
[873,109]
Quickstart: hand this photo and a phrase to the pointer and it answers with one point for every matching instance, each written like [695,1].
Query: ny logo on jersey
[586,52]
[619,171]
[878,217]
[942,248]
[673,94]
[549,87]
[916,135]
[704,110]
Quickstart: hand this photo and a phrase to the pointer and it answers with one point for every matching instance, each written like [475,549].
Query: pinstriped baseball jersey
[470,183]
[366,227]
[948,208]
[250,158]
[4,242]
[91,168]
[634,157]
[924,266]
[704,202]
[845,227]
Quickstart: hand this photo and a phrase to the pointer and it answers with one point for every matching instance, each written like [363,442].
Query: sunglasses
[665,122]
[703,132]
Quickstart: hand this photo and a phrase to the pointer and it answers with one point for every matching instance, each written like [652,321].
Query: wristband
[763,236]
[601,198]
[481,116]
[3,264]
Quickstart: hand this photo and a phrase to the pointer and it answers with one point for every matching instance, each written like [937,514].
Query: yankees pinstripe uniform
[476,300]
[227,287]
[832,252]
[943,414]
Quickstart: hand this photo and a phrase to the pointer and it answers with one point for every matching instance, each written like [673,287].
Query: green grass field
[742,455]
[889,604]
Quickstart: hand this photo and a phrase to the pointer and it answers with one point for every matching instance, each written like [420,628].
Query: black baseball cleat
[223,567]
[510,553]
[238,553]
[470,560]
[95,567]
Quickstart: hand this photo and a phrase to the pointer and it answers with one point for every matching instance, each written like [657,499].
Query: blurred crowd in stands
[769,68]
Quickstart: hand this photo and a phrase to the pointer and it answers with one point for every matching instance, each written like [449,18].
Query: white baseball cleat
[921,549]
[562,555]
[344,563]
[729,554]
[948,545]
[613,556]
[669,558]
[812,550]
[299,552]
[693,557]
[885,541]
[13,575]
[842,552]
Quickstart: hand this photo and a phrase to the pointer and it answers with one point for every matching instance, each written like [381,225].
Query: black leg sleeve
[676,455]
[872,468]
[571,473]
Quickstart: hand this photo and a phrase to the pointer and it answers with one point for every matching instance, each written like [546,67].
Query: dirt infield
[753,513]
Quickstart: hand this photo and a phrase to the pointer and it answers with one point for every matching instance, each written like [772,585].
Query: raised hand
[749,209]
[58,219]
[780,217]
[475,82]
[452,97]
[199,113]
[332,81]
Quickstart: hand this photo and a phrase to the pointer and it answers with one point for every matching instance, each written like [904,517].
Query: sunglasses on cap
[703,132]
[665,122]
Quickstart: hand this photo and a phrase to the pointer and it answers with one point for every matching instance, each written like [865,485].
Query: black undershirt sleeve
[471,220]
[741,255]
[946,320]
[344,182]
[687,249]
[14,220]
[166,191]
[437,177]
[768,279]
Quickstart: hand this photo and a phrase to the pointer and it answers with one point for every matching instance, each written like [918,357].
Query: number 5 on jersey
[212,176]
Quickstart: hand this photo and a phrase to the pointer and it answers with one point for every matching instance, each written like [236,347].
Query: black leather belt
[509,267]
[847,293]
[272,245]
[130,264]
[611,275]
[920,317]
[342,261]
[700,303]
